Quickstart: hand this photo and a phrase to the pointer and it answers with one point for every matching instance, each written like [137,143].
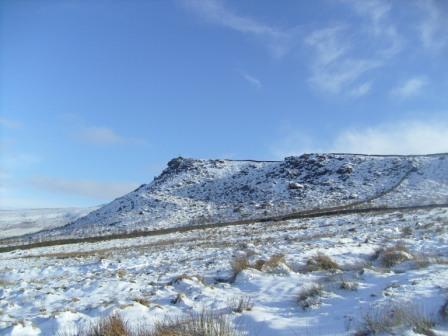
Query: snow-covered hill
[191,191]
[22,221]
[339,274]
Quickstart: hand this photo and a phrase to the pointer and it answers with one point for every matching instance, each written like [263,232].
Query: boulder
[295,186]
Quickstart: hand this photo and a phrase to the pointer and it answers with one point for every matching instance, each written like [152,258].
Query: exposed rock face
[191,190]
[295,185]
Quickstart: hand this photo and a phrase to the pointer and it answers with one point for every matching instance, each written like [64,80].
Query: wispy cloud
[328,43]
[433,29]
[410,87]
[345,54]
[410,137]
[87,188]
[333,69]
[251,80]
[9,123]
[361,90]
[104,136]
[278,41]
[378,25]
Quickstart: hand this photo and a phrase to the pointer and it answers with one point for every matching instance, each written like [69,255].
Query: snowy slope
[56,290]
[22,221]
[193,191]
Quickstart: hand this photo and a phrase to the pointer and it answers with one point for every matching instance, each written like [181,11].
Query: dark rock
[295,185]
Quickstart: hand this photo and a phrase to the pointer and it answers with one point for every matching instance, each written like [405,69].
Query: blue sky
[96,96]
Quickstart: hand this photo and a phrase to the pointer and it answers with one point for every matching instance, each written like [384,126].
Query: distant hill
[192,191]
[23,221]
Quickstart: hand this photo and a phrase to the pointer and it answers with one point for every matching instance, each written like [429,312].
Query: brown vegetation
[321,262]
[203,324]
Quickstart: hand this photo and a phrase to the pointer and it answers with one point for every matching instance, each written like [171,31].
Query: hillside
[379,268]
[191,191]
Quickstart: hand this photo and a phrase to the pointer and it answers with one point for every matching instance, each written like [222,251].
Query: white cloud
[9,123]
[87,188]
[252,80]
[334,69]
[104,136]
[328,44]
[413,137]
[379,25]
[361,90]
[214,11]
[410,87]
[345,54]
[433,29]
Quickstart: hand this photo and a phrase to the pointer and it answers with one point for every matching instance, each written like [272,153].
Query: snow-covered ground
[48,290]
[193,191]
[352,274]
[23,221]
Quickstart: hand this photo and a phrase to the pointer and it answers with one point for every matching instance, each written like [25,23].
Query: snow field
[286,284]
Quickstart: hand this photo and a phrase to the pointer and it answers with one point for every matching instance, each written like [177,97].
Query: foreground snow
[49,290]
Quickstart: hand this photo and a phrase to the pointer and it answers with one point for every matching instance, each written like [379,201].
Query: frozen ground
[44,291]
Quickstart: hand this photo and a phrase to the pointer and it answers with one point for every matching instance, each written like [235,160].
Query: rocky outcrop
[192,190]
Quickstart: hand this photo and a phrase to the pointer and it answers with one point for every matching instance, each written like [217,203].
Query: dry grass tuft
[393,255]
[187,277]
[406,231]
[121,273]
[239,264]
[321,262]
[180,278]
[109,326]
[239,305]
[203,324]
[259,264]
[142,301]
[275,264]
[389,318]
[179,298]
[444,311]
[275,261]
[5,283]
[348,285]
[310,297]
